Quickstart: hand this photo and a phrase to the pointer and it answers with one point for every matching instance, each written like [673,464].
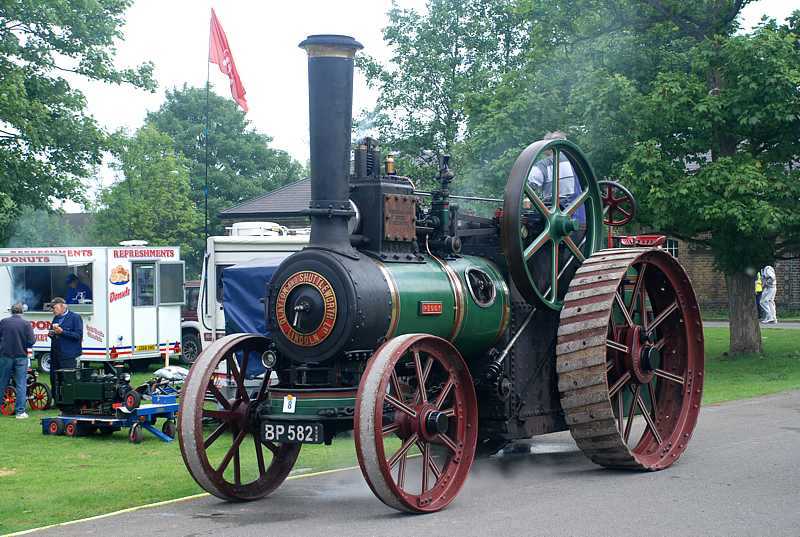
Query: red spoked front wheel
[416,423]
[218,427]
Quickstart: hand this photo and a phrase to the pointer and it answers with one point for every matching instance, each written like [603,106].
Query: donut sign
[119,275]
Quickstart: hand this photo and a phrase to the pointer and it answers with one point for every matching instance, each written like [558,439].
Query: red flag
[220,53]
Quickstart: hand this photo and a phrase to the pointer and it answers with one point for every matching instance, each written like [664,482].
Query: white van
[248,240]
[130,298]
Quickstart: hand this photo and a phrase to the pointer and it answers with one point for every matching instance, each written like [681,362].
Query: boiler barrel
[322,304]
[463,300]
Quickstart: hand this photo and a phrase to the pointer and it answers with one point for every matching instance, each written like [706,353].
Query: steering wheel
[619,205]
[552,219]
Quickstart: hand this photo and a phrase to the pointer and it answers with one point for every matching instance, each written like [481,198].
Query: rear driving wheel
[416,423]
[218,429]
[630,359]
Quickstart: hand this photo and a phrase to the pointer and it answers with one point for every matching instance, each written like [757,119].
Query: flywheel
[552,219]
[630,358]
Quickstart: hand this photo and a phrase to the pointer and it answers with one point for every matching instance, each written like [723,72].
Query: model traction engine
[435,335]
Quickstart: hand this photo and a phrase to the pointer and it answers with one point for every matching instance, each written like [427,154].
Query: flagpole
[208,78]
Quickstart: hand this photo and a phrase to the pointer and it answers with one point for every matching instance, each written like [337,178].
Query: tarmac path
[740,476]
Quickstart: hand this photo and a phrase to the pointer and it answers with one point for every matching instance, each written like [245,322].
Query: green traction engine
[434,334]
[94,390]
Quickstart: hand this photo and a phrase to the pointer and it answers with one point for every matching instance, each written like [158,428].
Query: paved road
[740,476]
[724,324]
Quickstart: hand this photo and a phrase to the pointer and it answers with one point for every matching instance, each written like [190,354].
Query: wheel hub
[638,359]
[243,417]
[436,422]
[429,422]
[562,225]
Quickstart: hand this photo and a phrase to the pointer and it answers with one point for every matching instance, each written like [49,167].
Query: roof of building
[77,220]
[287,200]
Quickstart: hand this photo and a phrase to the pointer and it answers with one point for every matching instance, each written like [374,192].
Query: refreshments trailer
[136,297]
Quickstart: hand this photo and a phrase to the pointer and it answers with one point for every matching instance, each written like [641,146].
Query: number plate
[292,432]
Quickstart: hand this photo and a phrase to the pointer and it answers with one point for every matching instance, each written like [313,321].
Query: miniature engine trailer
[142,418]
[129,297]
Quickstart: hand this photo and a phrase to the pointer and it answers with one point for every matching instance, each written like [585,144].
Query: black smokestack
[330,102]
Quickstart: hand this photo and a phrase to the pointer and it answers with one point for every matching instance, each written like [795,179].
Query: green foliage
[241,165]
[48,143]
[42,228]
[716,158]
[700,119]
[457,49]
[152,201]
[702,122]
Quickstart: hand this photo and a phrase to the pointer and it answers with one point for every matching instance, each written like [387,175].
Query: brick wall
[788,295]
[709,284]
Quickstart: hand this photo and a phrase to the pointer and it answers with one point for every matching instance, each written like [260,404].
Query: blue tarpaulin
[244,296]
[244,290]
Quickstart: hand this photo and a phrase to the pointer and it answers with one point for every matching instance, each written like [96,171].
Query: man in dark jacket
[66,339]
[16,337]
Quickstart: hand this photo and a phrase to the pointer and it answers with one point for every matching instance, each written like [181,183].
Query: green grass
[723,315]
[50,479]
[740,377]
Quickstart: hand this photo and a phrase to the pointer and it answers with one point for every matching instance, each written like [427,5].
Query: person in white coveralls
[770,284]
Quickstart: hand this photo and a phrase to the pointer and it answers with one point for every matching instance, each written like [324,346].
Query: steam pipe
[330,103]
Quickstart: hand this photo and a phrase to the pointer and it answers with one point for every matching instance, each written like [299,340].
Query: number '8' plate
[296,432]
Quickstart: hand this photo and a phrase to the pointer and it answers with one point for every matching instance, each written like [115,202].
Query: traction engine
[435,336]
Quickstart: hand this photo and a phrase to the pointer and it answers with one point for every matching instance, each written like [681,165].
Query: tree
[241,164]
[48,143]
[579,75]
[152,201]
[44,228]
[730,116]
[701,120]
[455,49]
